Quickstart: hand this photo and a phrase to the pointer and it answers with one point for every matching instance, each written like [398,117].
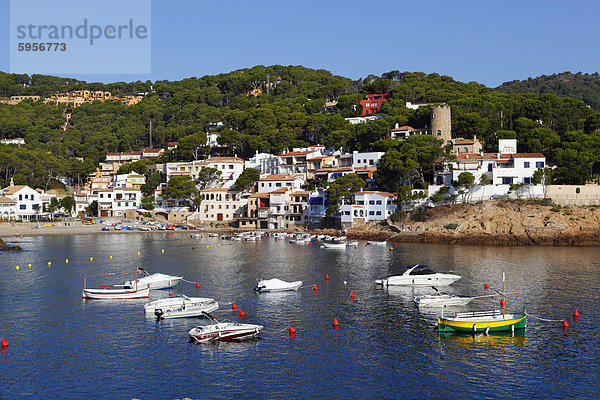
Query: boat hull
[276,285]
[224,332]
[482,324]
[106,294]
[438,301]
[172,313]
[419,280]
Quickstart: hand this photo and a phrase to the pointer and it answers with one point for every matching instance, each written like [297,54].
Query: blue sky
[487,42]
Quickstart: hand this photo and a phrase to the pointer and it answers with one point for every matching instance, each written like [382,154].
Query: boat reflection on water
[494,339]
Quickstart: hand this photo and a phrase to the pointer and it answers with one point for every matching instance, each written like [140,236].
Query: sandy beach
[18,229]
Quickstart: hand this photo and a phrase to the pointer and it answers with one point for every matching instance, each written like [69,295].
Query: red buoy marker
[326,277]
[197,285]
[485,286]
[233,306]
[335,322]
[576,314]
[352,296]
[565,326]
[292,331]
[3,343]
[242,314]
[315,288]
[170,294]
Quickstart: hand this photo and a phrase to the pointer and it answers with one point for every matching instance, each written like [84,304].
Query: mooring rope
[185,280]
[543,319]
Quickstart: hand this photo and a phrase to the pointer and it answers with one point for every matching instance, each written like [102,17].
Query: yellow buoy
[29,265]
[110,257]
[49,263]
[207,246]
[138,253]
[18,267]
[162,251]
[67,260]
[91,259]
[219,244]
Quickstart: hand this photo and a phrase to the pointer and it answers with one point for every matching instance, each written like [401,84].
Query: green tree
[152,183]
[67,203]
[92,209]
[208,177]
[182,188]
[483,182]
[343,189]
[465,184]
[247,178]
[148,202]
[192,146]
[406,197]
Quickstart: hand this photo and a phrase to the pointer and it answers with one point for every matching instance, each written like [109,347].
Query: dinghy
[276,285]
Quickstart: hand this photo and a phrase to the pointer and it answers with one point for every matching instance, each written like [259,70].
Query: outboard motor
[159,313]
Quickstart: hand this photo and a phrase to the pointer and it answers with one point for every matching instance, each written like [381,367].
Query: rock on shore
[500,222]
[5,247]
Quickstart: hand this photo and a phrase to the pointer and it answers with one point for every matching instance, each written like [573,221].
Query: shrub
[451,226]
[421,215]
[397,216]
[546,202]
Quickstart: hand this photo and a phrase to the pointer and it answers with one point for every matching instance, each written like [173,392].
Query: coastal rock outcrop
[5,247]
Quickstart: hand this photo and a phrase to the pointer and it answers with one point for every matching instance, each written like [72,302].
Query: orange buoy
[391,248]
[3,343]
[327,277]
[576,314]
[565,325]
[233,306]
[352,295]
[335,322]
[315,288]
[485,286]
[242,314]
[170,294]
[197,285]
[292,331]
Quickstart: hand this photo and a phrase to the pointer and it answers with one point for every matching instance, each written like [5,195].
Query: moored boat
[482,321]
[155,281]
[419,275]
[333,245]
[276,285]
[115,292]
[441,299]
[223,331]
[180,306]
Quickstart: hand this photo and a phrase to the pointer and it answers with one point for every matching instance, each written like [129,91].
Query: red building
[373,103]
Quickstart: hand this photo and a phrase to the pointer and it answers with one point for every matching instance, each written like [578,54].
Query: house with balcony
[372,104]
[231,168]
[405,131]
[368,206]
[255,214]
[28,203]
[219,205]
[152,153]
[266,163]
[131,180]
[83,201]
[8,209]
[273,182]
[114,202]
[502,168]
[472,146]
[296,162]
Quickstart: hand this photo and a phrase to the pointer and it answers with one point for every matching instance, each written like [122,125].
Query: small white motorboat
[155,281]
[180,306]
[276,285]
[213,235]
[374,243]
[195,235]
[441,299]
[115,292]
[419,275]
[350,244]
[223,331]
[341,245]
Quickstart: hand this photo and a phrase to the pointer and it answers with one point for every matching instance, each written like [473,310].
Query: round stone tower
[441,123]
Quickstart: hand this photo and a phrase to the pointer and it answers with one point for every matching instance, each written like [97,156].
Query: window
[507,180]
[370,162]
[368,105]
[262,185]
[526,180]
[126,204]
[490,166]
[101,196]
[346,212]
[231,167]
[134,203]
[526,164]
[360,203]
[378,212]
[371,202]
[119,204]
[378,202]
[278,184]
[288,184]
[371,212]
[539,164]
[389,202]
[20,197]
[26,197]
[22,206]
[439,132]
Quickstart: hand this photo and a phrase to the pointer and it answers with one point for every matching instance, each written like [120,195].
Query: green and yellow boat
[483,321]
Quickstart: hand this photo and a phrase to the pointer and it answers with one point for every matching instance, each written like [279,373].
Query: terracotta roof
[404,128]
[221,159]
[387,194]
[13,189]
[219,190]
[278,177]
[301,192]
[465,141]
[298,153]
[172,143]
[278,191]
[6,200]
[260,195]
[528,155]
[341,169]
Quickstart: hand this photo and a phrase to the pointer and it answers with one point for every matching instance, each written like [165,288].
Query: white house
[114,202]
[368,207]
[231,168]
[28,202]
[273,182]
[8,209]
[502,168]
[266,163]
[219,205]
[288,208]
[366,159]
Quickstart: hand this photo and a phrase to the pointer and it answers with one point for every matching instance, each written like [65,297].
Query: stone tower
[441,123]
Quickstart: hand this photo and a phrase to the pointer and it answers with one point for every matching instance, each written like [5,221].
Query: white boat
[213,235]
[354,243]
[333,245]
[156,281]
[374,243]
[441,299]
[180,306]
[115,292]
[339,239]
[419,275]
[195,235]
[223,331]
[276,285]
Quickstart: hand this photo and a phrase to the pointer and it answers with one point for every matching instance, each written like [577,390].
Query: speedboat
[374,243]
[156,281]
[180,306]
[223,331]
[276,285]
[116,292]
[419,275]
